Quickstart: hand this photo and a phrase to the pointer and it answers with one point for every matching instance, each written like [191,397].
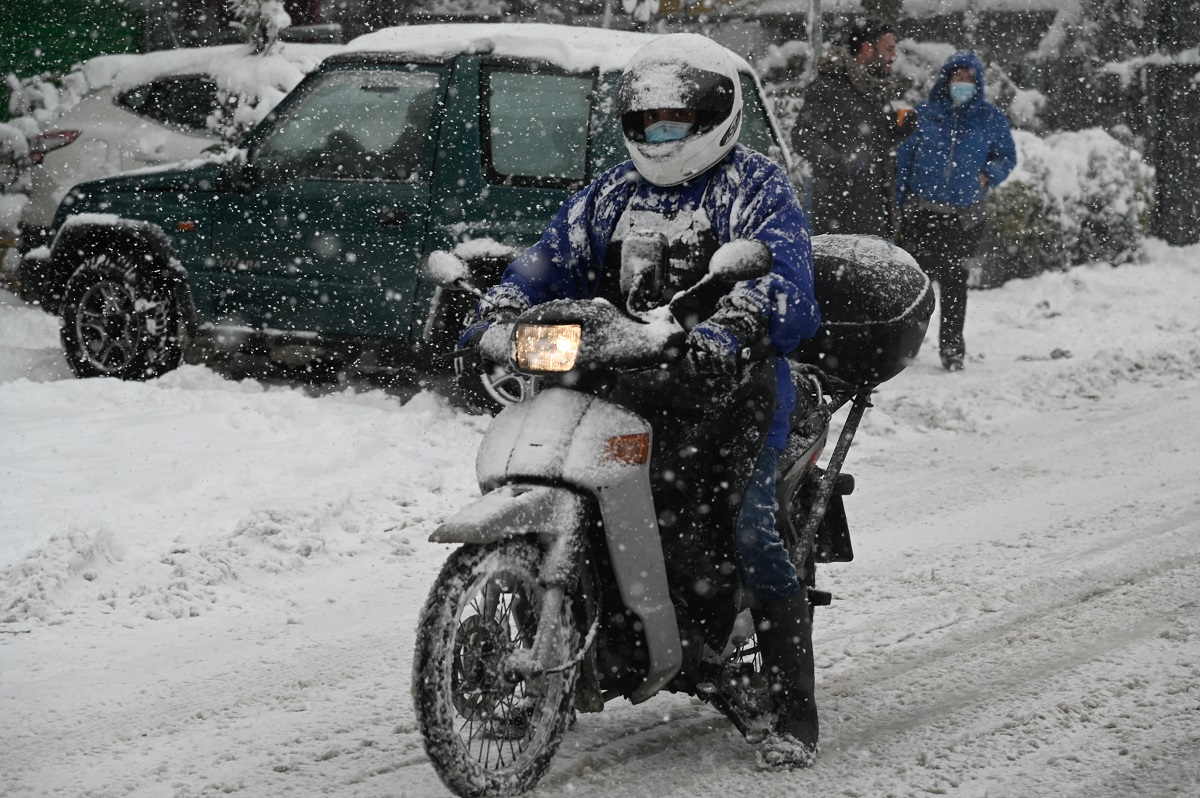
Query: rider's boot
[785,639]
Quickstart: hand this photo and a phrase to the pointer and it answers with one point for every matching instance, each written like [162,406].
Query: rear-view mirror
[449,271]
[740,260]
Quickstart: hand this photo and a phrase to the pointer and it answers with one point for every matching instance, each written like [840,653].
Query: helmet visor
[671,84]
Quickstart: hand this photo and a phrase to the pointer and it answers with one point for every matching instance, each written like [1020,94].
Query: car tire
[122,318]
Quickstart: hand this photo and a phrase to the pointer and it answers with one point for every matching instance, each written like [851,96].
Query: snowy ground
[211,586]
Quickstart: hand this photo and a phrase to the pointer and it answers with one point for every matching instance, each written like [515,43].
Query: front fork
[559,573]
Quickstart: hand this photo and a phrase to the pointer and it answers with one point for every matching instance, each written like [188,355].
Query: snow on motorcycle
[599,562]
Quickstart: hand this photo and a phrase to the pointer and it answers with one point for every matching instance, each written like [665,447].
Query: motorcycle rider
[688,178]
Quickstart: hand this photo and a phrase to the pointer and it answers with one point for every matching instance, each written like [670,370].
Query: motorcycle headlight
[547,347]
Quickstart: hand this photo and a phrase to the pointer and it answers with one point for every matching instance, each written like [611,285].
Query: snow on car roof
[575,49]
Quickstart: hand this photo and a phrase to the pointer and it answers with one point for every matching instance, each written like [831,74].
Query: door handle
[391,217]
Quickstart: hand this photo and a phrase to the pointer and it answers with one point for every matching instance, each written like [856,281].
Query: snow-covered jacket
[941,161]
[846,134]
[746,196]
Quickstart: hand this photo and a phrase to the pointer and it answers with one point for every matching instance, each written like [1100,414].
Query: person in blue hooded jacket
[962,148]
[689,179]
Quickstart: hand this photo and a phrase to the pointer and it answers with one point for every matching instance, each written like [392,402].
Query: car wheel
[121,319]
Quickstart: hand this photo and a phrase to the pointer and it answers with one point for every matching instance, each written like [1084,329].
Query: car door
[505,177]
[535,141]
[326,233]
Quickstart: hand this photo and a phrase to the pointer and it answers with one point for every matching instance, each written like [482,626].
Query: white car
[150,109]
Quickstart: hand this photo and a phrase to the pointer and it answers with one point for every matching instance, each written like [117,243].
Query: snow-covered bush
[1075,197]
[260,21]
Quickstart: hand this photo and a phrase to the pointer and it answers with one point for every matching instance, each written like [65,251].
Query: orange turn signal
[628,449]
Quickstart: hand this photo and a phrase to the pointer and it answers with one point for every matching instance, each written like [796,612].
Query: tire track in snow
[301,717]
[942,717]
[939,693]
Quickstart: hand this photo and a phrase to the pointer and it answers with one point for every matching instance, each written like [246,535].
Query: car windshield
[353,125]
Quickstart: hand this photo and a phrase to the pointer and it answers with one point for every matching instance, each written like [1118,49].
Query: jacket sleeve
[904,163]
[813,138]
[767,210]
[558,265]
[1002,156]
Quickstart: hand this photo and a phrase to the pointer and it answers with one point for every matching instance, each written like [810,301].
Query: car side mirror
[450,271]
[740,260]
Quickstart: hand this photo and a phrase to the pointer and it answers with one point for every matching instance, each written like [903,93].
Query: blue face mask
[664,131]
[961,92]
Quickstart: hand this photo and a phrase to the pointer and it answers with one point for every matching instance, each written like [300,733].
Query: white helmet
[681,71]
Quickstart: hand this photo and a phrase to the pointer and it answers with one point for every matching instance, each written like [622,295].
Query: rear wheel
[491,723]
[121,319]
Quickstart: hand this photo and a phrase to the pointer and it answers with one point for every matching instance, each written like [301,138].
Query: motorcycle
[598,563]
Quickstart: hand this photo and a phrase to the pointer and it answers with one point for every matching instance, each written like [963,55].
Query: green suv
[307,241]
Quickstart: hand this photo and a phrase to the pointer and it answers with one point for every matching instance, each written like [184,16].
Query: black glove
[715,346]
[711,352]
[504,302]
[471,335]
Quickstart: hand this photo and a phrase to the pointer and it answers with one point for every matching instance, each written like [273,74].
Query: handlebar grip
[495,345]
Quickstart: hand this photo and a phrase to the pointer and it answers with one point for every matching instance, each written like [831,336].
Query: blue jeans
[766,570]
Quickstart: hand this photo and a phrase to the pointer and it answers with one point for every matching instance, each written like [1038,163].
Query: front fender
[512,510]
[563,436]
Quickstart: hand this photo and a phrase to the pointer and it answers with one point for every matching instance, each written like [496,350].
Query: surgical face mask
[961,92]
[665,131]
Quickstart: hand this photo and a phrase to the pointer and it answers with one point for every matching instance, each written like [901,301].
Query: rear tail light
[49,141]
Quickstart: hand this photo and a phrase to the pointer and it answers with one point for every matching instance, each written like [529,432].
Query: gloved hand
[471,335]
[711,351]
[714,347]
[504,302]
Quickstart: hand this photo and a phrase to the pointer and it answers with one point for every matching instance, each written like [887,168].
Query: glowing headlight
[547,347]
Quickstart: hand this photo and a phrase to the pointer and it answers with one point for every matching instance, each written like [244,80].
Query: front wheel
[121,319]
[491,725]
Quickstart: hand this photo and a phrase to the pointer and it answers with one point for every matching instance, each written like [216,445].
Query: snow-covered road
[209,586]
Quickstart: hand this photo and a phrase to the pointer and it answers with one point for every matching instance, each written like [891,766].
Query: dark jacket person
[962,148]
[845,132]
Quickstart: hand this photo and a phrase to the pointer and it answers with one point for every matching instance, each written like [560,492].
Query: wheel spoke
[103,325]
[503,608]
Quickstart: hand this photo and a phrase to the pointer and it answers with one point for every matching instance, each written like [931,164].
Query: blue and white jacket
[941,161]
[745,196]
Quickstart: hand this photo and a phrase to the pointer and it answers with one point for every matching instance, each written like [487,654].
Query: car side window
[353,125]
[756,128]
[180,101]
[536,127]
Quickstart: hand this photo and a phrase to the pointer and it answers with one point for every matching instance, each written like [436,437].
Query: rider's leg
[785,639]
[783,620]
[766,570]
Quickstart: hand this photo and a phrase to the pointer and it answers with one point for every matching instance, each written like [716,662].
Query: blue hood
[940,94]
